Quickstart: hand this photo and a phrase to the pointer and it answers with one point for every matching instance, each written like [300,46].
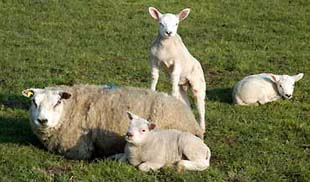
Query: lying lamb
[169,50]
[151,149]
[263,88]
[84,120]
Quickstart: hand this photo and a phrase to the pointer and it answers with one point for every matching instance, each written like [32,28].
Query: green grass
[50,42]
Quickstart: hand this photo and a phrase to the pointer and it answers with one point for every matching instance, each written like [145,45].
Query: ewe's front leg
[155,74]
[175,79]
[147,166]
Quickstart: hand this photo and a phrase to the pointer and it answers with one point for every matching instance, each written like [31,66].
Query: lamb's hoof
[180,167]
[144,167]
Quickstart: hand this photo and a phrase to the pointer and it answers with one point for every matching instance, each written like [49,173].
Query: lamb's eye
[143,130]
[177,24]
[161,24]
[34,103]
[280,86]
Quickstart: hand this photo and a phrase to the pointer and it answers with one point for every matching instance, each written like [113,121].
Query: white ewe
[82,120]
[169,50]
[263,88]
[150,149]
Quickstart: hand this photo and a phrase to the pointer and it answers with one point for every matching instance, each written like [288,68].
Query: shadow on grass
[17,130]
[14,101]
[220,95]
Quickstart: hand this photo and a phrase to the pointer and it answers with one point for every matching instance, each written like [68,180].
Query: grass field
[46,42]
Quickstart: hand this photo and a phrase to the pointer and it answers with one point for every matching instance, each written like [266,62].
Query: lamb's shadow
[220,95]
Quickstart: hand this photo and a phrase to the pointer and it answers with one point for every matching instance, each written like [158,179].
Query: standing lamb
[263,88]
[83,120]
[168,49]
[151,149]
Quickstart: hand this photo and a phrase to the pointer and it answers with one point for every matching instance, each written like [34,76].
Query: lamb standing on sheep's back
[83,120]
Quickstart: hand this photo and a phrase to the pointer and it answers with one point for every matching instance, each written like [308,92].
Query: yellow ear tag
[30,93]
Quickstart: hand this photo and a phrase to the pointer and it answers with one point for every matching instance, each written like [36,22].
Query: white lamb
[263,88]
[150,149]
[169,50]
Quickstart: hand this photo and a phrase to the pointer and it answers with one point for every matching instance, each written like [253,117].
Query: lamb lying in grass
[169,50]
[263,88]
[150,149]
[83,120]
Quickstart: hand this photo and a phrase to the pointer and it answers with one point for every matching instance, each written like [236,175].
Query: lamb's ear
[183,14]
[274,78]
[298,77]
[152,126]
[154,13]
[131,115]
[64,95]
[29,92]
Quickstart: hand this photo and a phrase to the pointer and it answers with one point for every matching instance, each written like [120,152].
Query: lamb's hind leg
[199,90]
[183,96]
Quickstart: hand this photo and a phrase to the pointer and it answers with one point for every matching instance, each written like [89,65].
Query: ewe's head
[285,84]
[168,23]
[47,106]
[138,129]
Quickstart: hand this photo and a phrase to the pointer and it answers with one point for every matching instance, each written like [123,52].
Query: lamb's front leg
[175,79]
[147,166]
[155,73]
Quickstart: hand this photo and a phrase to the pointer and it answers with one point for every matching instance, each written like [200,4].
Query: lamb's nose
[288,95]
[168,33]
[42,121]
[129,134]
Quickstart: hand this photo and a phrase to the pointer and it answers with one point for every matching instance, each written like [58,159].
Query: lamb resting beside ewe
[83,121]
[150,149]
[263,88]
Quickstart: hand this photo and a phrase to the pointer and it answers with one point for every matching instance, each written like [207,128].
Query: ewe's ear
[29,92]
[274,78]
[154,13]
[131,115]
[298,77]
[64,95]
[152,126]
[183,14]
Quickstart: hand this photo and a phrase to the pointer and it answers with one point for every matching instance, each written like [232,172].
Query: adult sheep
[263,88]
[83,121]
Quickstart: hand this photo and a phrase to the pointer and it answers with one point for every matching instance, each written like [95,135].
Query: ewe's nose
[168,33]
[42,121]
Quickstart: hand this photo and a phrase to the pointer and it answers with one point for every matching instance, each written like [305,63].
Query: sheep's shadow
[220,95]
[14,101]
[18,131]
[15,128]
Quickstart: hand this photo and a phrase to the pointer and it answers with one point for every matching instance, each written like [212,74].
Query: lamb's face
[286,83]
[47,106]
[138,129]
[168,23]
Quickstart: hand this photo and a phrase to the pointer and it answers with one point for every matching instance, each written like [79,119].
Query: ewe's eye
[34,103]
[58,102]
[177,24]
[161,24]
[143,130]
[280,86]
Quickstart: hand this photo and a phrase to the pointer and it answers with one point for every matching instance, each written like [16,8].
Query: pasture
[51,42]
